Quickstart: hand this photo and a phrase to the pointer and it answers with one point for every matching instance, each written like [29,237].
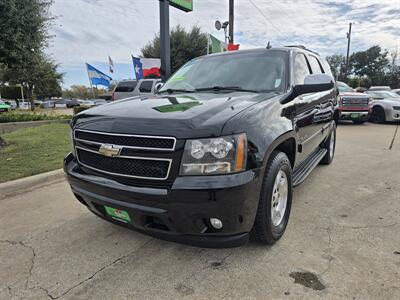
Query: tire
[330,146]
[268,229]
[378,115]
[358,121]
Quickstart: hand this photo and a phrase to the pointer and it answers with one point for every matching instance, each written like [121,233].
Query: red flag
[233,47]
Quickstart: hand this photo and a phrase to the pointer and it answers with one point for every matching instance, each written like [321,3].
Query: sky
[91,30]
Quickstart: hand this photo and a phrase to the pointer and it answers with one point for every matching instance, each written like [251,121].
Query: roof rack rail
[302,47]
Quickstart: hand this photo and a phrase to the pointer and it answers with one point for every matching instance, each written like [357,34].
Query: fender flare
[284,137]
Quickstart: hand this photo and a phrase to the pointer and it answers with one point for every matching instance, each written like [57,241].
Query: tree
[393,74]
[23,38]
[23,29]
[38,76]
[49,83]
[184,46]
[372,63]
[337,62]
[82,92]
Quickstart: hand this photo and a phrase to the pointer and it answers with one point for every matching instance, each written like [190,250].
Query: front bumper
[179,213]
[354,115]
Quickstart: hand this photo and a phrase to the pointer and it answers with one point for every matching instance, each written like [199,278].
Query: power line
[266,18]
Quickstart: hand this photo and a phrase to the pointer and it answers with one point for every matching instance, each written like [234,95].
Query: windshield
[258,71]
[344,88]
[383,94]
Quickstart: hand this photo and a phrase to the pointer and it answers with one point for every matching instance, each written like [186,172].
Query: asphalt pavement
[342,242]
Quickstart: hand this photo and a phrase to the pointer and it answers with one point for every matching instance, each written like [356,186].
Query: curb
[12,188]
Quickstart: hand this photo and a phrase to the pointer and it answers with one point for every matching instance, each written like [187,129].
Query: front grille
[128,141]
[355,102]
[134,167]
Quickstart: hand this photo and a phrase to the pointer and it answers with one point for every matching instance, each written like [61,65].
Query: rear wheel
[275,200]
[330,146]
[378,115]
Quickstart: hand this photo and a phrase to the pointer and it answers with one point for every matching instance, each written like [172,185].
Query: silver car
[131,88]
[385,106]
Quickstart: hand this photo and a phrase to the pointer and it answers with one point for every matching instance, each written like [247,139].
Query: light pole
[224,26]
[231,20]
[165,41]
[348,49]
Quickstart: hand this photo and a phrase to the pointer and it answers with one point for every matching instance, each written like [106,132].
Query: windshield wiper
[226,88]
[171,91]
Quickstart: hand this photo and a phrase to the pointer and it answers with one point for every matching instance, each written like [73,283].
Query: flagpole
[90,81]
[208,44]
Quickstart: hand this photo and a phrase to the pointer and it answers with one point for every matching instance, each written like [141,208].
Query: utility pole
[231,19]
[348,49]
[165,42]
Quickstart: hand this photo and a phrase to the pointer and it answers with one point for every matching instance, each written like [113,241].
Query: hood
[179,115]
[388,101]
[353,94]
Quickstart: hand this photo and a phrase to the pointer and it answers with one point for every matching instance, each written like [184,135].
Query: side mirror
[158,86]
[312,84]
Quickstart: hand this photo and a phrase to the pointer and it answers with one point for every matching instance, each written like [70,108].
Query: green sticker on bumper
[354,115]
[118,214]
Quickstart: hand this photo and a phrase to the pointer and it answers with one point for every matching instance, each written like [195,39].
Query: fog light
[216,223]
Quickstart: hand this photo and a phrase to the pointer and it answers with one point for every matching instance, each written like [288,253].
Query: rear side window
[145,86]
[126,86]
[315,65]
[301,69]
[326,67]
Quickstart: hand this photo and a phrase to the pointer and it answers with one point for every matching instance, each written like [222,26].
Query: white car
[93,102]
[385,106]
[24,105]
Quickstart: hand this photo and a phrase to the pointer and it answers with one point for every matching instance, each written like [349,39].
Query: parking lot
[342,241]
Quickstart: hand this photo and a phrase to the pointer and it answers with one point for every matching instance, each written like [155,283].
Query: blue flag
[138,67]
[97,77]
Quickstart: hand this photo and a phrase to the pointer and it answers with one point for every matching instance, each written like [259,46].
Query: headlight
[221,155]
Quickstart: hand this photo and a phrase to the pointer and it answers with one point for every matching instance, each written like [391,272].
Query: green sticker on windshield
[177,78]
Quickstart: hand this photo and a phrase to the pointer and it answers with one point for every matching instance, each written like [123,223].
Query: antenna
[269,46]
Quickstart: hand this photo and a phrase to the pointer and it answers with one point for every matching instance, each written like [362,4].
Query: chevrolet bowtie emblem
[110,150]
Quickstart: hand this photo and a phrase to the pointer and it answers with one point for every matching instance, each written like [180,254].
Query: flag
[217,45]
[111,63]
[97,77]
[233,47]
[220,46]
[145,67]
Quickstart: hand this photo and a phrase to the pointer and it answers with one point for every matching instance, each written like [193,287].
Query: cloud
[90,30]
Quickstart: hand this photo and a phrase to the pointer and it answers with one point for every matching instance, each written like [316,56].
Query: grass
[32,151]
[24,116]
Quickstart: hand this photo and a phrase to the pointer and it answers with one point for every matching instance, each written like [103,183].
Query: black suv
[212,157]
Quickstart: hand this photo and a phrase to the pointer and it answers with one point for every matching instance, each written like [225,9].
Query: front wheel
[275,200]
[378,115]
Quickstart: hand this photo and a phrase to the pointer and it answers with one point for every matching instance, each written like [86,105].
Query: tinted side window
[145,86]
[326,67]
[315,65]
[126,87]
[301,69]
